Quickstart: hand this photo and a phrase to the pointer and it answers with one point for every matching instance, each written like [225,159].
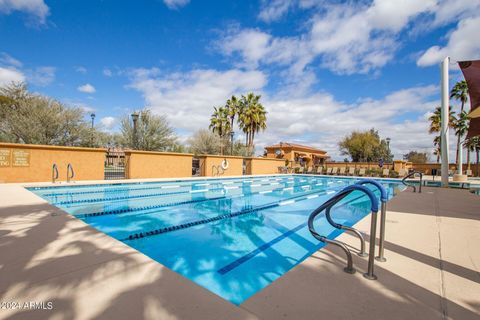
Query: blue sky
[324,68]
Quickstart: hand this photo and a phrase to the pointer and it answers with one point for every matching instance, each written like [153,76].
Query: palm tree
[473,144]
[435,125]
[460,92]
[233,108]
[219,122]
[252,118]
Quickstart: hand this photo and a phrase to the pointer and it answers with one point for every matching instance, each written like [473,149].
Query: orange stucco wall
[235,165]
[88,163]
[265,165]
[145,164]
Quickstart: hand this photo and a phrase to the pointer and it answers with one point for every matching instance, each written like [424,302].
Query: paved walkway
[432,272]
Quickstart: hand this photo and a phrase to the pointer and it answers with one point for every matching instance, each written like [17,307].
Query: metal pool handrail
[54,172]
[374,209]
[383,215]
[412,174]
[70,170]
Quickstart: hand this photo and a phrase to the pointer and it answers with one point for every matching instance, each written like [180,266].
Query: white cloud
[81,69]
[41,76]
[274,10]
[86,88]
[107,72]
[36,8]
[7,59]
[175,4]
[462,44]
[187,99]
[9,75]
[108,122]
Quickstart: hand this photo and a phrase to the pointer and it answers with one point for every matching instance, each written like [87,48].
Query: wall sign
[5,157]
[21,158]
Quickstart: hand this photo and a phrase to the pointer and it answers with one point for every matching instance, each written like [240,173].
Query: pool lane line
[112,190]
[128,210]
[266,206]
[152,195]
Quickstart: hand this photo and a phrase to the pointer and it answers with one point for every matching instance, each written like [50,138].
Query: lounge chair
[310,170]
[334,170]
[361,172]
[351,171]
[468,173]
[342,171]
[385,172]
[319,170]
[329,171]
[402,173]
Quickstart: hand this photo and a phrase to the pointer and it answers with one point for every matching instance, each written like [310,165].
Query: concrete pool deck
[432,271]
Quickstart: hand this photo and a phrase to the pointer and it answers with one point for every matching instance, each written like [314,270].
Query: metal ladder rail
[383,215]
[374,209]
[70,170]
[334,224]
[54,172]
[412,174]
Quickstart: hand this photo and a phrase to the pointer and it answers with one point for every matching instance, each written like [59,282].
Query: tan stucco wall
[265,165]
[88,163]
[234,168]
[145,164]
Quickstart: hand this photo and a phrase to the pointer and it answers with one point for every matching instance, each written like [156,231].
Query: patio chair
[342,171]
[385,172]
[329,171]
[468,173]
[319,170]
[334,170]
[351,171]
[310,170]
[361,172]
[402,173]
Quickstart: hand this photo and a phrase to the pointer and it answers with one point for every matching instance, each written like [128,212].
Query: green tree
[365,146]
[252,118]
[460,92]
[473,145]
[205,142]
[36,119]
[152,133]
[435,126]
[416,157]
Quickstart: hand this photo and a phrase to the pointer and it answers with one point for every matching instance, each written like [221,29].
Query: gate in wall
[115,163]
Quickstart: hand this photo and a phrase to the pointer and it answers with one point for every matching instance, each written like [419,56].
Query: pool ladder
[54,173]
[70,172]
[412,174]
[327,206]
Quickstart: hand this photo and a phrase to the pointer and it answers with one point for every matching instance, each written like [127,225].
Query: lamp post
[231,142]
[135,119]
[388,147]
[93,119]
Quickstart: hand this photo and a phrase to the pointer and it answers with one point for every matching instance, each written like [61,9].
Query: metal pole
[460,159]
[371,259]
[381,243]
[445,113]
[231,142]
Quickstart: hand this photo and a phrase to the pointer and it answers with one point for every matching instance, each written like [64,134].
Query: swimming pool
[232,236]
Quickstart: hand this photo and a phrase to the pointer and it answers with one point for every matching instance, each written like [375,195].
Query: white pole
[444,90]
[460,158]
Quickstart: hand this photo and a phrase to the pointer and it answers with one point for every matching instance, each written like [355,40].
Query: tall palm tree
[252,118]
[219,122]
[473,144]
[460,92]
[435,126]
[233,108]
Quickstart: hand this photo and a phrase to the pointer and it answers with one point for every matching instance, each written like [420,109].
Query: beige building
[297,154]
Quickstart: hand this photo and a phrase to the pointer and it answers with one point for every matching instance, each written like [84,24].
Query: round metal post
[371,259]
[381,243]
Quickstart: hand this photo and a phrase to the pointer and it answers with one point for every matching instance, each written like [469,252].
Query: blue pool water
[231,236]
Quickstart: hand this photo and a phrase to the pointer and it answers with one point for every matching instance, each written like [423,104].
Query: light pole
[135,119]
[231,142]
[388,148]
[93,119]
